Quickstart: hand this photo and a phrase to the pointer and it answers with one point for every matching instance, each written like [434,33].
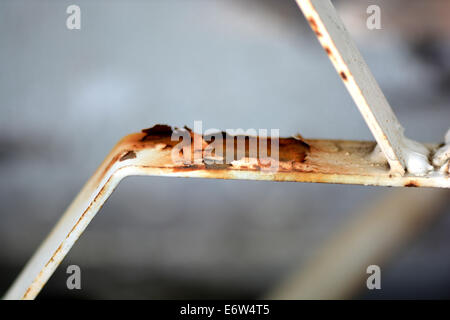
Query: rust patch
[293,150]
[27,292]
[108,167]
[188,167]
[412,184]
[343,76]
[128,155]
[217,166]
[159,130]
[100,194]
[328,51]
[314,26]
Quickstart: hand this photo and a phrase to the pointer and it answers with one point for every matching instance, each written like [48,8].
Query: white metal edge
[101,185]
[358,79]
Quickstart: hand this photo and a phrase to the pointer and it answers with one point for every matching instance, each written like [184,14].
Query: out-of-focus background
[67,96]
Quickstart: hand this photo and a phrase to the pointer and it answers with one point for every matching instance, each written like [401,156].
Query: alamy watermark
[373,22]
[73,21]
[374,280]
[74,280]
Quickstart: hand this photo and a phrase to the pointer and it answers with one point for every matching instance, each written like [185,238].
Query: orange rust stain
[109,165]
[26,293]
[101,192]
[314,26]
[159,130]
[412,184]
[217,166]
[328,51]
[128,155]
[343,76]
[292,154]
[189,167]
[52,258]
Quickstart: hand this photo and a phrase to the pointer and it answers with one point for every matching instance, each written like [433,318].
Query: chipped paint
[127,156]
[148,153]
[441,158]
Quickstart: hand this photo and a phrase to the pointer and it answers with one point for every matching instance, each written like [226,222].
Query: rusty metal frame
[320,161]
[150,153]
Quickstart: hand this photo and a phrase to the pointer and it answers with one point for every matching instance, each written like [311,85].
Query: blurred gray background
[66,97]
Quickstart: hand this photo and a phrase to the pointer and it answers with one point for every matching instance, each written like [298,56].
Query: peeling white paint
[416,157]
[441,158]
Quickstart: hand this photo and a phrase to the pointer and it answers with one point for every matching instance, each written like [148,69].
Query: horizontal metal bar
[150,153]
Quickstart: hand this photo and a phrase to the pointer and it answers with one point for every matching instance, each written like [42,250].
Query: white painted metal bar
[325,161]
[320,161]
[358,79]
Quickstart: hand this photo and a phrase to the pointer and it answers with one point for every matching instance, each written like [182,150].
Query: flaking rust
[292,152]
[150,153]
[159,130]
[155,152]
[298,159]
[128,155]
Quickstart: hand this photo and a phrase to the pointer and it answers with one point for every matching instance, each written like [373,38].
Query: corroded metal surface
[150,153]
[323,161]
[301,160]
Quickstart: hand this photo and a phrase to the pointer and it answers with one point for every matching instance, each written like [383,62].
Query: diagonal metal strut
[359,81]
